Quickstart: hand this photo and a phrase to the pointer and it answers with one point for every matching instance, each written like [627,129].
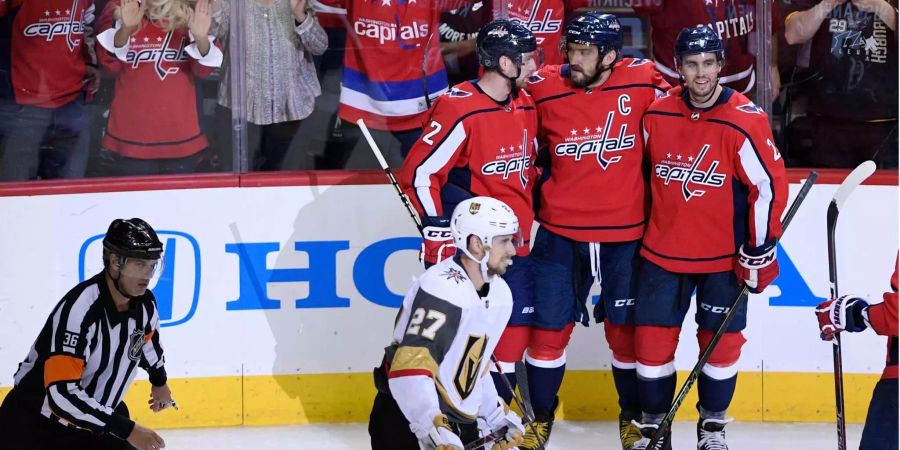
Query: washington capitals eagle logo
[750,108]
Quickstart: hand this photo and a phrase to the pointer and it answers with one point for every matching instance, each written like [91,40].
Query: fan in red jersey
[718,189]
[155,48]
[590,111]
[47,73]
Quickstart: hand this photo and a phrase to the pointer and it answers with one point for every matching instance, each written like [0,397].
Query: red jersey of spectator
[384,81]
[545,18]
[52,41]
[734,20]
[717,181]
[154,112]
[595,189]
[471,146]
[883,318]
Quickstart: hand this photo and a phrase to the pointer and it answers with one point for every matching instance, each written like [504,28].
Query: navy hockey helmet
[696,40]
[503,38]
[133,238]
[594,28]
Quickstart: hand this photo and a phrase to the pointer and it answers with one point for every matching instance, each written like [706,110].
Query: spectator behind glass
[545,18]
[459,28]
[280,39]
[733,20]
[155,48]
[392,59]
[852,110]
[47,73]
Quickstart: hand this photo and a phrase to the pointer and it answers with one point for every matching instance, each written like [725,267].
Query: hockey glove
[437,435]
[757,267]
[503,417]
[840,314]
[438,242]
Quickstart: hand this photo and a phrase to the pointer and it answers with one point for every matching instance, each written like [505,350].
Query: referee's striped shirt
[86,357]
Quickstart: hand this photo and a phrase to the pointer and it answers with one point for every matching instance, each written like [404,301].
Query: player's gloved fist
[438,242]
[756,266]
[842,314]
[437,435]
[503,418]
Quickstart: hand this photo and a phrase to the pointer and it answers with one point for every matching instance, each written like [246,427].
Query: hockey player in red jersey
[47,74]
[854,314]
[433,389]
[590,137]
[480,139]
[718,189]
[153,121]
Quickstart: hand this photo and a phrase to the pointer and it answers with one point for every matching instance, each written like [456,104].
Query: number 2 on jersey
[436,128]
[419,316]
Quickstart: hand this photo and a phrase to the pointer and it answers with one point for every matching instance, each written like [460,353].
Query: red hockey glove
[840,314]
[757,267]
[438,242]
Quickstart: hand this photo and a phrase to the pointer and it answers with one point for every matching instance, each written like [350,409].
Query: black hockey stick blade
[736,304]
[853,180]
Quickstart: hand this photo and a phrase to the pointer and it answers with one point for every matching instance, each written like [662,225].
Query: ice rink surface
[566,436]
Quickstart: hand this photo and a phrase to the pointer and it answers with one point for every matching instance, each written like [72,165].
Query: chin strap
[119,286]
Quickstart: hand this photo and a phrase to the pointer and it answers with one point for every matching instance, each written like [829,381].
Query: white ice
[566,436]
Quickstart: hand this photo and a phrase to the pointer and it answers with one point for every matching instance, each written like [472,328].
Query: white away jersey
[444,337]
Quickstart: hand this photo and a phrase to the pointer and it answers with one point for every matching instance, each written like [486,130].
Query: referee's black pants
[24,428]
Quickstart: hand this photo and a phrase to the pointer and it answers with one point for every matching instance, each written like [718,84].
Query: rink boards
[278,299]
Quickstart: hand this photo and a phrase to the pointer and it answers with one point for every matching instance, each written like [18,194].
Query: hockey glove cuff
[842,314]
[757,267]
[438,241]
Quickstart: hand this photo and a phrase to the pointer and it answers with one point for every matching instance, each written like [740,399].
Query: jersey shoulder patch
[449,282]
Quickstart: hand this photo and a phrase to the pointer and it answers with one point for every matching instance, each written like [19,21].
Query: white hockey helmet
[486,218]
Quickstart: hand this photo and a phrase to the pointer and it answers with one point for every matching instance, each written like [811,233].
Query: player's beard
[584,80]
[702,93]
[501,268]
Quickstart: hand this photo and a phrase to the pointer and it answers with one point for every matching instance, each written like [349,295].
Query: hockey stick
[856,177]
[425,71]
[529,420]
[477,444]
[387,171]
[736,304]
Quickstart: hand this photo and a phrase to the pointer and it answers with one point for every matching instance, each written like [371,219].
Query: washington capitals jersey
[86,357]
[717,181]
[153,114]
[883,318]
[444,337]
[51,42]
[472,146]
[392,58]
[594,189]
[545,18]
[734,20]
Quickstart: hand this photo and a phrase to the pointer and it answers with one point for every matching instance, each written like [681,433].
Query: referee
[68,391]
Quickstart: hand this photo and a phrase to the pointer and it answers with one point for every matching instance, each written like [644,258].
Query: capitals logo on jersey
[512,159]
[599,140]
[145,50]
[537,25]
[688,172]
[59,23]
